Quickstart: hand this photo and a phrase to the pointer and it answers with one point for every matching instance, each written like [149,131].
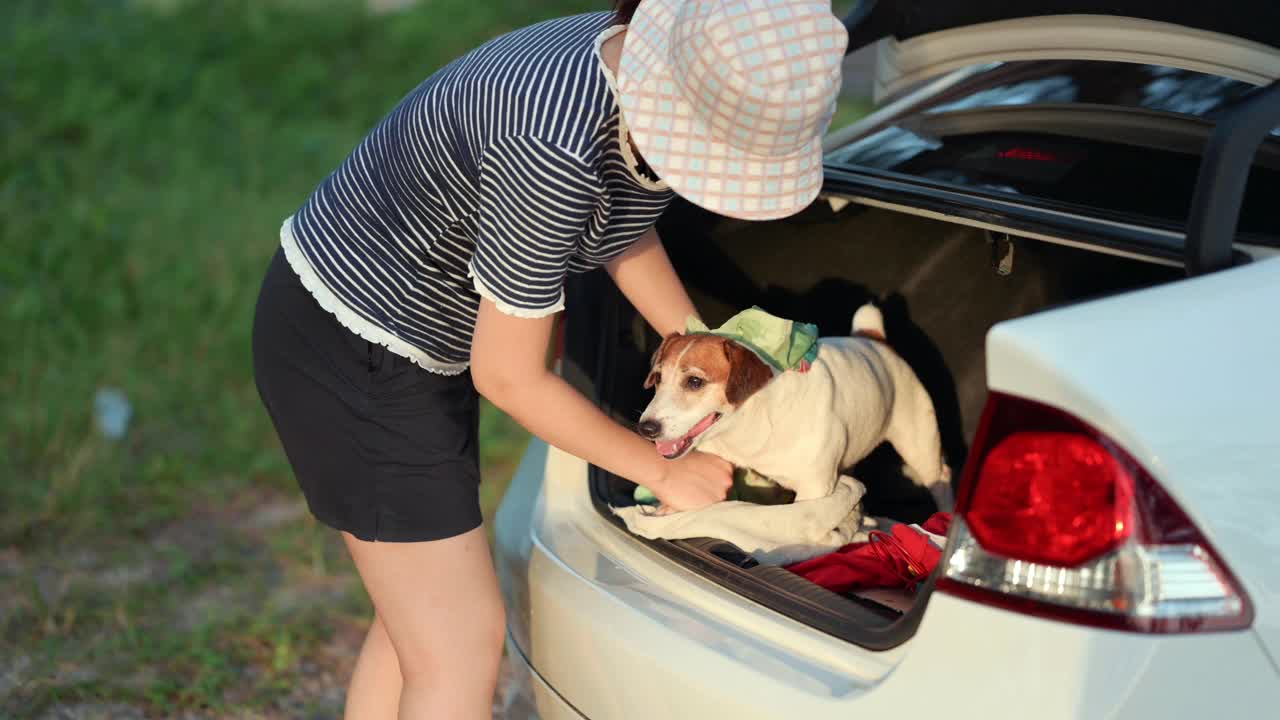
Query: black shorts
[382,448]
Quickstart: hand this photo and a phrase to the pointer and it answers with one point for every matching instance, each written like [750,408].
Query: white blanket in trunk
[772,534]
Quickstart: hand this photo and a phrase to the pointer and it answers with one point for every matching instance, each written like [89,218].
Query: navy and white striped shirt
[497,176]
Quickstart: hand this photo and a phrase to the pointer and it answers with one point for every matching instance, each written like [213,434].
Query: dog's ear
[654,363]
[651,379]
[747,373]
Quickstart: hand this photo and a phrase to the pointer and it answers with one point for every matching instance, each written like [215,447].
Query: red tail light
[1052,497]
[1056,520]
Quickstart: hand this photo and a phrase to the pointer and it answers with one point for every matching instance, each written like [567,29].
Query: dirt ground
[188,617]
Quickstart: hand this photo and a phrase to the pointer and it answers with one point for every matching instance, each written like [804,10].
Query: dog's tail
[868,322]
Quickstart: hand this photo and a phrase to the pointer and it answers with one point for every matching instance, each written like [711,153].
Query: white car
[1055,216]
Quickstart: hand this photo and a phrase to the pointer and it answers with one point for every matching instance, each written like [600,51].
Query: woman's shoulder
[551,76]
[566,34]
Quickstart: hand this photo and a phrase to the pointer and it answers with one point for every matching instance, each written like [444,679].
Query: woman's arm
[508,367]
[645,276]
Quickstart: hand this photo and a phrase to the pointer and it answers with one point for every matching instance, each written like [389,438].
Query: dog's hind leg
[913,432]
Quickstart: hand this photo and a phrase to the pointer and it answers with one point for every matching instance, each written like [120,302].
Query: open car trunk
[1161,195]
[941,287]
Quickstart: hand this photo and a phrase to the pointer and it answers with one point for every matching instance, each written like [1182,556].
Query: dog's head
[700,381]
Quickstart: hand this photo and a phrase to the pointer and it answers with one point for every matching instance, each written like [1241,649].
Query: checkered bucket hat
[728,100]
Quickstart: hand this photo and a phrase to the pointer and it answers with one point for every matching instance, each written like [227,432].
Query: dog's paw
[824,515]
[943,497]
[853,486]
[847,531]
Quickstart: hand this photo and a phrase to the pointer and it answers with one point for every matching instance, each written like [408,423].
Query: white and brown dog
[801,430]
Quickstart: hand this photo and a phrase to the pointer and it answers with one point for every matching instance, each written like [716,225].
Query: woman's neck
[611,52]
[611,56]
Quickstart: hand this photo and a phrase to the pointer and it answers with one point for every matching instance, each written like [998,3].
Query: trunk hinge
[1001,252]
[1224,170]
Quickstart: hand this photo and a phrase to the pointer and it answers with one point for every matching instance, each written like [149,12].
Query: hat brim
[680,147]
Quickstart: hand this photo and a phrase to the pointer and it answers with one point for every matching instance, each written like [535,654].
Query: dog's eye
[694,383]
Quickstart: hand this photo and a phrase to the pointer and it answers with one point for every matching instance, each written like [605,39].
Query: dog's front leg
[811,483]
[941,490]
[849,527]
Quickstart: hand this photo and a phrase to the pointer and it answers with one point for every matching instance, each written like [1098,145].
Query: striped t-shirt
[497,176]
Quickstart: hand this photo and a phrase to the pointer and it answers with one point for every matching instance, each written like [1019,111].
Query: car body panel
[1185,377]
[595,592]
[979,661]
[617,631]
[513,539]
[522,691]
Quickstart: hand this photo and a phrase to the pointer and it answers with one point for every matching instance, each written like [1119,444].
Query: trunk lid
[926,38]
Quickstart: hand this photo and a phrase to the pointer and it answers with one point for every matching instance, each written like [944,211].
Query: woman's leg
[440,604]
[374,693]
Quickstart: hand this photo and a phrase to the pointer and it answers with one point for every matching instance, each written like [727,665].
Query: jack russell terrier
[800,429]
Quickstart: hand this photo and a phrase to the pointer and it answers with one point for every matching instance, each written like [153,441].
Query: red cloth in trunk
[900,559]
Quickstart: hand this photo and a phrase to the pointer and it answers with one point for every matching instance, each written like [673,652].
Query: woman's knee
[438,601]
[378,634]
[472,643]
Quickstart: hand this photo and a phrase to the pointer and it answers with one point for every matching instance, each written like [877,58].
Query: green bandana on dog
[784,344]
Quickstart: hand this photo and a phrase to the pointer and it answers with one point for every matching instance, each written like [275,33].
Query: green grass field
[150,151]
[149,154]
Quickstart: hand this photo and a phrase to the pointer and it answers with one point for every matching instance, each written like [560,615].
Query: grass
[149,152]
[848,111]
[148,160]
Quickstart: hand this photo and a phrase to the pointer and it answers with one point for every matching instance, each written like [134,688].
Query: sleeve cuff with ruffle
[507,308]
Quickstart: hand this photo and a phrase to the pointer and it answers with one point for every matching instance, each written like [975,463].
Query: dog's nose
[650,429]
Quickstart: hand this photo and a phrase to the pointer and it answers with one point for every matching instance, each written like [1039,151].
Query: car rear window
[1114,139]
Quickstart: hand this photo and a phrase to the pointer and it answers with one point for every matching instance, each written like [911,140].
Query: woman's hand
[694,481]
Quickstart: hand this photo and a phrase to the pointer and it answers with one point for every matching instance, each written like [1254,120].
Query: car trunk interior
[941,287]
